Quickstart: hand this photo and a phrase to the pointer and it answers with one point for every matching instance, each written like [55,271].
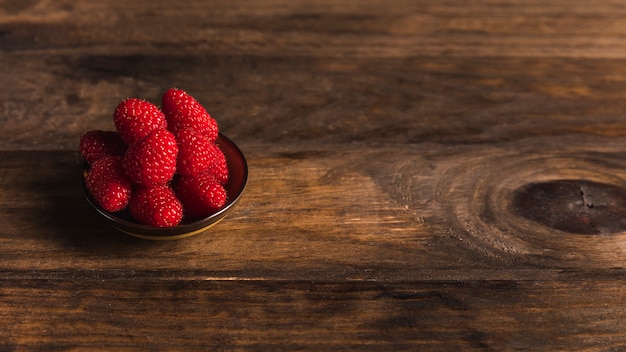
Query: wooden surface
[423,174]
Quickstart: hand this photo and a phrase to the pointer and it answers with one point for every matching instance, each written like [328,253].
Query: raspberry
[152,160]
[219,167]
[201,195]
[97,144]
[182,110]
[195,152]
[156,206]
[108,185]
[161,164]
[135,118]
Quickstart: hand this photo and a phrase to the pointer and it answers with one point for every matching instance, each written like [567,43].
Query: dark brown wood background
[423,174]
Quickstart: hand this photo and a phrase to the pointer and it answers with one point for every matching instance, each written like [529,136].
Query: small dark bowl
[124,222]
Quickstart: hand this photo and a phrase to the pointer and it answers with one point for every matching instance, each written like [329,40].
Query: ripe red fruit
[201,195]
[152,160]
[108,185]
[97,144]
[136,118]
[219,167]
[156,206]
[195,152]
[182,110]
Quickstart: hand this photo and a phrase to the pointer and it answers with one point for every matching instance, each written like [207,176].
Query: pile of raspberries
[162,163]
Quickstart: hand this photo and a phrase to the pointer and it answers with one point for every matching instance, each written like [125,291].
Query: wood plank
[323,28]
[51,101]
[387,213]
[104,313]
[59,84]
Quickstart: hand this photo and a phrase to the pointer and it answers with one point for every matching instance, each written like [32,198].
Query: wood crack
[586,198]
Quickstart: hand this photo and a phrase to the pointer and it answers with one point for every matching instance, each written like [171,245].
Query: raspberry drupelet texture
[136,118]
[156,206]
[108,184]
[195,152]
[97,144]
[182,110]
[201,195]
[152,160]
[219,166]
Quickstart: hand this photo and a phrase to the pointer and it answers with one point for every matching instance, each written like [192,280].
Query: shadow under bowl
[238,177]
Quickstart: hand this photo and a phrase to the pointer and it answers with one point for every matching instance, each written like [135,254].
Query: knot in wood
[574,206]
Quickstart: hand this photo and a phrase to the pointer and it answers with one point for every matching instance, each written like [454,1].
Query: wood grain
[426,95]
[423,175]
[143,313]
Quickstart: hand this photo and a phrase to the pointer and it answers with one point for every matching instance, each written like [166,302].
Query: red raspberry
[152,160]
[156,206]
[183,110]
[97,144]
[195,152]
[219,167]
[135,118]
[201,196]
[108,185]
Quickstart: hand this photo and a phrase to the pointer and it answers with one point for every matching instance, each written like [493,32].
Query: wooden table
[423,174]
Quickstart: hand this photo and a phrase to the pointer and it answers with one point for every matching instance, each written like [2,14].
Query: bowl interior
[123,221]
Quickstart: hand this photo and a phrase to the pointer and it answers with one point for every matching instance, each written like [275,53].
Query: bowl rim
[182,230]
